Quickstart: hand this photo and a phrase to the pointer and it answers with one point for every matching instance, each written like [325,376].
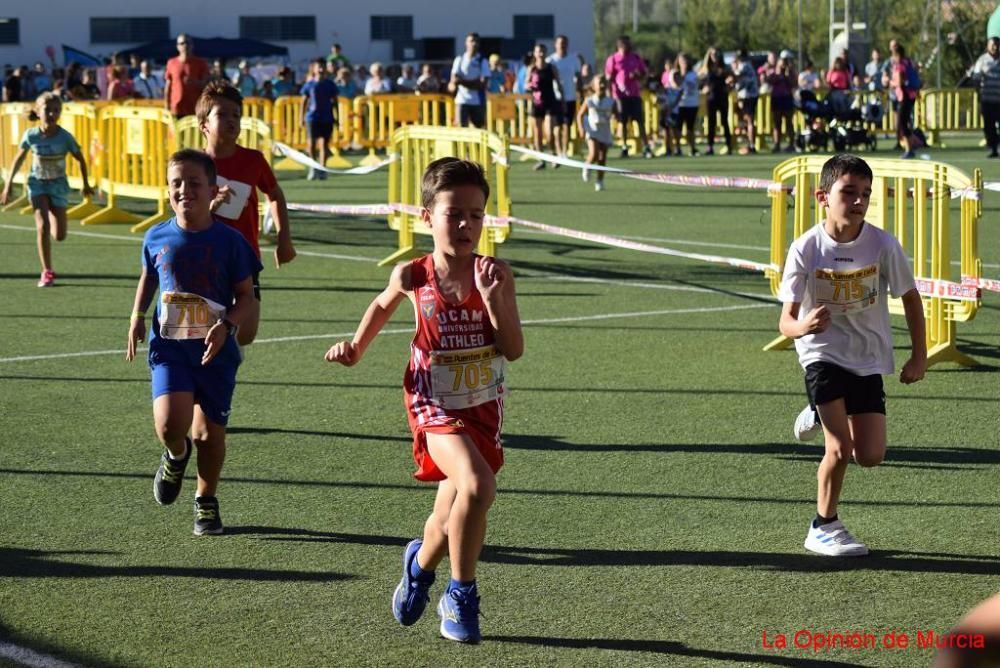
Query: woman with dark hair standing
[717,81]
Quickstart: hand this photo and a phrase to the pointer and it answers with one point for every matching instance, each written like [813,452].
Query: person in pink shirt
[626,72]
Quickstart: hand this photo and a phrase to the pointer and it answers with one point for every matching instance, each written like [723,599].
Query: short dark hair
[448,174]
[215,90]
[840,164]
[197,157]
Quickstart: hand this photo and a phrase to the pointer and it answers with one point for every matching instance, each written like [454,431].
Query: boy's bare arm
[495,282]
[285,252]
[915,367]
[215,340]
[143,296]
[378,313]
[817,320]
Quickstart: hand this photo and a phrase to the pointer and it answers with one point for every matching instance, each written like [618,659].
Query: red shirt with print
[187,79]
[245,171]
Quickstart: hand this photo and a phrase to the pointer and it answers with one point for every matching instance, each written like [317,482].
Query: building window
[279,28]
[392,27]
[116,30]
[534,26]
[10,32]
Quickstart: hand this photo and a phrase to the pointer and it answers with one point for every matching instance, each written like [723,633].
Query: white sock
[187,446]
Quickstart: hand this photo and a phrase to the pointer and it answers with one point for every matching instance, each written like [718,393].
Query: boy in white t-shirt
[835,292]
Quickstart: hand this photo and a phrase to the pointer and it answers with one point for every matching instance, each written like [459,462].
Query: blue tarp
[71,55]
[208,48]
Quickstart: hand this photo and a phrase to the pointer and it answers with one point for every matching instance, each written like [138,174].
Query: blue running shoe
[410,597]
[459,613]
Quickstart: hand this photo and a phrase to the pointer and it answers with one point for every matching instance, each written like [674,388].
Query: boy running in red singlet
[468,327]
[241,173]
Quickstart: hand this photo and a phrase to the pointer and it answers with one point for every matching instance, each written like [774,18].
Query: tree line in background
[666,27]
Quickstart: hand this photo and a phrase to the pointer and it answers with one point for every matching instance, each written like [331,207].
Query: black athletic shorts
[826,382]
[630,109]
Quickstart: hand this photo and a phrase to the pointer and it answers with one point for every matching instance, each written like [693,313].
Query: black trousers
[991,117]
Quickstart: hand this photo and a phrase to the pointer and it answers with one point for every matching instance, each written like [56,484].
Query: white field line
[359,258]
[409,330]
[29,657]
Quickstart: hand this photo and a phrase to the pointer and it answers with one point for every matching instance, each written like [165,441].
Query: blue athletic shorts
[212,385]
[56,189]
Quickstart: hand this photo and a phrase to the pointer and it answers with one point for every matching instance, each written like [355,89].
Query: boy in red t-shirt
[242,171]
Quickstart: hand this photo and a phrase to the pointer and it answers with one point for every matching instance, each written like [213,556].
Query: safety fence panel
[913,201]
[13,122]
[137,142]
[80,119]
[417,146]
[288,127]
[376,117]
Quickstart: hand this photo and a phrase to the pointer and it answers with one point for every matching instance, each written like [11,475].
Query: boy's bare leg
[475,488]
[172,414]
[435,545]
[868,431]
[839,446]
[210,440]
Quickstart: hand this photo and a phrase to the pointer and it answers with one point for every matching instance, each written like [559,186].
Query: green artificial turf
[653,504]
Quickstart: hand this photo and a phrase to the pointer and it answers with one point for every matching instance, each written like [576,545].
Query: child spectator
[668,99]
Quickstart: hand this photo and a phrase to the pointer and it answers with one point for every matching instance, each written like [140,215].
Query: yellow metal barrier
[258,107]
[254,134]
[80,120]
[13,122]
[417,146]
[921,224]
[377,117]
[510,115]
[137,143]
[288,128]
[948,111]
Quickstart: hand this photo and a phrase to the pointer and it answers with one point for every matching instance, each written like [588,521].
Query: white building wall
[56,22]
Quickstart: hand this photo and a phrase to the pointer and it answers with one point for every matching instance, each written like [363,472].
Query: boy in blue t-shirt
[319,114]
[203,270]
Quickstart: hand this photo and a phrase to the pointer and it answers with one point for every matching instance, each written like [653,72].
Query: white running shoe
[585,175]
[599,186]
[807,425]
[834,540]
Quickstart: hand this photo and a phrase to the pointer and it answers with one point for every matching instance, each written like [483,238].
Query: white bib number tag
[187,316]
[467,378]
[846,292]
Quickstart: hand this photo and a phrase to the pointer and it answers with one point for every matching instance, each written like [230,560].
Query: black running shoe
[170,475]
[207,521]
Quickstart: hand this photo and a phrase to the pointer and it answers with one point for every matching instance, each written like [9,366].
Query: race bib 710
[184,315]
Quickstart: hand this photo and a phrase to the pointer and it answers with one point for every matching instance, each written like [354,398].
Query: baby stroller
[854,125]
[814,135]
